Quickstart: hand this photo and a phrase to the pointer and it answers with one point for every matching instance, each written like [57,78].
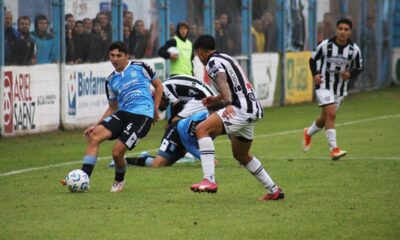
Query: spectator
[270,32]
[81,43]
[128,20]
[141,39]
[171,30]
[192,32]
[87,25]
[10,39]
[69,43]
[220,37]
[44,41]
[258,36]
[326,29]
[181,63]
[98,44]
[126,34]
[229,32]
[105,23]
[26,50]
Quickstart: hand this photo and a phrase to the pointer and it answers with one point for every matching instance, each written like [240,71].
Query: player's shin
[207,154]
[255,167]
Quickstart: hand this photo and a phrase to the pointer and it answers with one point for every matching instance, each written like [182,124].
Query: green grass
[354,198]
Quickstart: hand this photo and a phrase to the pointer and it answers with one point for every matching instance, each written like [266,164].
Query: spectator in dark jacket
[98,44]
[141,38]
[10,39]
[25,49]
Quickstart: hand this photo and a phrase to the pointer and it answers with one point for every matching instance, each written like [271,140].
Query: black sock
[119,176]
[138,161]
[88,169]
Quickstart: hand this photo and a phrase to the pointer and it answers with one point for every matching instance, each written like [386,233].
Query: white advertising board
[31,99]
[265,71]
[84,98]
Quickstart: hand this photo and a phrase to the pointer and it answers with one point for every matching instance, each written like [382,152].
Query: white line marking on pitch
[15,172]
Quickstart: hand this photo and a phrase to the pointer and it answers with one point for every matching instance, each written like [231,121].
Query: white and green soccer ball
[77,181]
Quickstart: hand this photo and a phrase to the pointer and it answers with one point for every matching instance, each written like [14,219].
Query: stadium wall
[44,98]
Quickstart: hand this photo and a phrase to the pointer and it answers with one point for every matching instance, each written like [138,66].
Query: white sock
[255,167]
[207,153]
[331,137]
[313,129]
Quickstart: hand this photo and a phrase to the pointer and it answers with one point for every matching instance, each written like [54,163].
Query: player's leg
[118,154]
[99,134]
[330,130]
[324,97]
[212,126]
[241,151]
[136,127]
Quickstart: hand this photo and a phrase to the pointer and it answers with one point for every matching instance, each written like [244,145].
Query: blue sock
[148,161]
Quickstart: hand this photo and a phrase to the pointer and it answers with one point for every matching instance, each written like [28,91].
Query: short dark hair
[206,42]
[345,21]
[121,46]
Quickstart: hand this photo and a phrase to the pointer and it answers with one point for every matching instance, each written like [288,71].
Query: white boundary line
[15,172]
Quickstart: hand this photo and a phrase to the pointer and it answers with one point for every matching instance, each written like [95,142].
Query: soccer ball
[77,181]
[173,50]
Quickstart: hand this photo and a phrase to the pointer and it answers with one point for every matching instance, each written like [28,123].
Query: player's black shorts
[171,147]
[127,127]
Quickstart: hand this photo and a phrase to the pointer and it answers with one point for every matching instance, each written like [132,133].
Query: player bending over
[239,111]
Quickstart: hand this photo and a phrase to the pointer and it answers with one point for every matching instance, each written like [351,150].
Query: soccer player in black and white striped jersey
[237,110]
[334,63]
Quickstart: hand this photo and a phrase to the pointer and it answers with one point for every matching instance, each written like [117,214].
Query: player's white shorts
[242,124]
[191,107]
[325,97]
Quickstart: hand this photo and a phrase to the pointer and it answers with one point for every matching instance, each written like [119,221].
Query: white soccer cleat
[117,186]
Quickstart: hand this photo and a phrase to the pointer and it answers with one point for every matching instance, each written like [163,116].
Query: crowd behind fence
[29,39]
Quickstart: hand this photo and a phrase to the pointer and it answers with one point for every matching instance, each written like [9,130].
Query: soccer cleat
[118,186]
[205,186]
[337,153]
[278,195]
[306,141]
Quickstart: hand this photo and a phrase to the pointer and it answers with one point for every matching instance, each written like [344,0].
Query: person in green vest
[179,51]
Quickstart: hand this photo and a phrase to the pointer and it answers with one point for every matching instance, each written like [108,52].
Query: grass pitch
[356,197]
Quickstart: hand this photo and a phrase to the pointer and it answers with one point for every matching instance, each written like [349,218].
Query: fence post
[116,8]
[209,11]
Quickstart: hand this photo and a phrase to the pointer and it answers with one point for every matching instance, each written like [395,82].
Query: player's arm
[315,57]
[163,51]
[222,100]
[158,91]
[112,107]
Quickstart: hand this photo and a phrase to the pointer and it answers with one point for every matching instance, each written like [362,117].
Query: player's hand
[318,79]
[210,101]
[89,131]
[173,57]
[156,116]
[229,111]
[345,75]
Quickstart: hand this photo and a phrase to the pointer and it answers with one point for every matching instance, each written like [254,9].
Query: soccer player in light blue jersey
[130,113]
[178,139]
